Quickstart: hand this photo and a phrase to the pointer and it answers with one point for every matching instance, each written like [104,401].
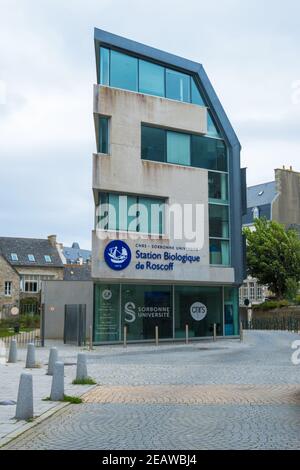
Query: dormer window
[48,259]
[255,211]
[31,258]
[14,257]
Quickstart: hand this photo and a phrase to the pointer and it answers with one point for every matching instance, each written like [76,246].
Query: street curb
[13,435]
[39,419]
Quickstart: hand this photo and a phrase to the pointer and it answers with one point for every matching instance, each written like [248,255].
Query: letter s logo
[129,312]
[296,355]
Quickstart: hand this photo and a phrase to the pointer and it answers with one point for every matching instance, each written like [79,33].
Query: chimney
[291,168]
[52,240]
[283,167]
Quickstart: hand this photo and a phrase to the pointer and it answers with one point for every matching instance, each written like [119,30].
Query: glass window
[218,187]
[151,215]
[219,252]
[107,312]
[103,134]
[14,257]
[178,86]
[104,66]
[151,78]
[143,307]
[193,300]
[153,144]
[218,221]
[8,288]
[178,148]
[31,258]
[231,311]
[123,71]
[131,213]
[31,286]
[211,127]
[48,259]
[196,96]
[208,153]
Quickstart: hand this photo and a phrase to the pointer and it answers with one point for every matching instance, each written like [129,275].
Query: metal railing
[22,338]
[278,323]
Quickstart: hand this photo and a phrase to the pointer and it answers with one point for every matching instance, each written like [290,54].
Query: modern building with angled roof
[164,143]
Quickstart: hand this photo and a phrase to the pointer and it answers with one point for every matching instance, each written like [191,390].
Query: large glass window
[151,78]
[218,187]
[131,213]
[211,126]
[199,308]
[177,86]
[178,148]
[219,252]
[218,221]
[143,307]
[103,134]
[153,144]
[104,66]
[123,71]
[107,313]
[158,144]
[208,153]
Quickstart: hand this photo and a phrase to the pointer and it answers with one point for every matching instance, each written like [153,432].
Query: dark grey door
[75,324]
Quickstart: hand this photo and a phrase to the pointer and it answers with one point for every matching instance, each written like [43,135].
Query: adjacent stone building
[24,264]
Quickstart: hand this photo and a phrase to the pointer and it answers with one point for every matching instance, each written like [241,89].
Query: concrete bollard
[241,332]
[57,387]
[125,336]
[186,334]
[53,358]
[24,408]
[30,358]
[81,370]
[215,332]
[13,351]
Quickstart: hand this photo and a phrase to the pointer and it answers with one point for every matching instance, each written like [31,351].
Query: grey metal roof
[79,272]
[73,253]
[29,246]
[261,194]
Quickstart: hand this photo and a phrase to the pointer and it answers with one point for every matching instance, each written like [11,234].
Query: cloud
[250,51]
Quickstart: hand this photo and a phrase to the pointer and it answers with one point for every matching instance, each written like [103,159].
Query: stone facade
[8,274]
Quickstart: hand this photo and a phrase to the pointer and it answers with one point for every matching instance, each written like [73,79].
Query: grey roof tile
[29,246]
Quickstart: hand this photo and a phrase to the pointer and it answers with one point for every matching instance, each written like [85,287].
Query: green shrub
[272,304]
[291,289]
[297,300]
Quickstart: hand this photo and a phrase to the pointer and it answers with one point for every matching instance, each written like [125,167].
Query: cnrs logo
[198,311]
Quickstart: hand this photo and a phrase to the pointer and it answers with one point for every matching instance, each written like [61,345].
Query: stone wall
[7,273]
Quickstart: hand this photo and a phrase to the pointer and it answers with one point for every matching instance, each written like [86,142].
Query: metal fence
[22,338]
[277,323]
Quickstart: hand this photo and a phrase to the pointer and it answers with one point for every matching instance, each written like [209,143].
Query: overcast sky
[249,48]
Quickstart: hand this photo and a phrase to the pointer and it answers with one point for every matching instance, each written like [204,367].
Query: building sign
[107,323]
[117,255]
[198,311]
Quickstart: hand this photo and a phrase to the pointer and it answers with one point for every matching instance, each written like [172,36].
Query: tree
[273,255]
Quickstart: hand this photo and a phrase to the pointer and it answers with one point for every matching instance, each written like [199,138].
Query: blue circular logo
[117,255]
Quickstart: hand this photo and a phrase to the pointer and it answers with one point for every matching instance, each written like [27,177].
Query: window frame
[8,288]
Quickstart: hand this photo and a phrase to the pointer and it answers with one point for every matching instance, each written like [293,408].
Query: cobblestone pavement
[223,395]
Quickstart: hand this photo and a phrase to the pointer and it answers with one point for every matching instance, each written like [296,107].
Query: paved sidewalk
[204,395]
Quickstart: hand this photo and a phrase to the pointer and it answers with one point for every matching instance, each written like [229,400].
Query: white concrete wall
[124,171]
